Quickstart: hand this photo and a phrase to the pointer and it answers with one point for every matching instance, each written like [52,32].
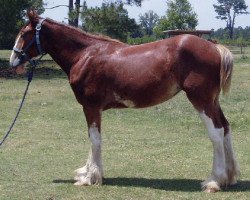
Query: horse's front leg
[92,172]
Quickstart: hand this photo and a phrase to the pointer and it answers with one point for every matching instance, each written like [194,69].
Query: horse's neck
[64,44]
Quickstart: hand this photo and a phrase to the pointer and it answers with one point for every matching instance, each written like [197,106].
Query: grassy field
[162,152]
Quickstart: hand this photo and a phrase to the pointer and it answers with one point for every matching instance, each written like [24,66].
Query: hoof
[83,181]
[210,187]
[88,176]
[80,172]
[86,181]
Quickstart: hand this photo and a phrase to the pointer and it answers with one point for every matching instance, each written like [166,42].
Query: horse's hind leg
[216,135]
[225,168]
[92,172]
[232,167]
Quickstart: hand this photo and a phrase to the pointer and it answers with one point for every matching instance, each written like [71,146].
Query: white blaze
[13,54]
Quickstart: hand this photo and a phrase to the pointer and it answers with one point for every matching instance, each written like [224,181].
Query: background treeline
[112,19]
[241,35]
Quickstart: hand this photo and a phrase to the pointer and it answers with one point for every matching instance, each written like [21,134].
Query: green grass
[162,152]
[4,54]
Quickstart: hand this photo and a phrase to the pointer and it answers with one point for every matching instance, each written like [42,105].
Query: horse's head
[27,44]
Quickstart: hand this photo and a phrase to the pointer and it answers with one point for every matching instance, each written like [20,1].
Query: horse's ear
[33,17]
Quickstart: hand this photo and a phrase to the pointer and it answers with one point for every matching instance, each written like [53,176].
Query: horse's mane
[92,35]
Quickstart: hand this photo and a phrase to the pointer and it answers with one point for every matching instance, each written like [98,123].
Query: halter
[23,52]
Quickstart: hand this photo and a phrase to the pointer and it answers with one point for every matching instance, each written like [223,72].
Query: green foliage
[38,5]
[74,12]
[134,2]
[12,16]
[180,15]
[110,19]
[141,40]
[228,10]
[163,24]
[148,21]
[223,35]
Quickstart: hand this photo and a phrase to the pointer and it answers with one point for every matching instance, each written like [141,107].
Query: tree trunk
[70,20]
[74,12]
[231,32]
[77,12]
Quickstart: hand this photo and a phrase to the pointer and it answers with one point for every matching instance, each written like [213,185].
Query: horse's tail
[226,67]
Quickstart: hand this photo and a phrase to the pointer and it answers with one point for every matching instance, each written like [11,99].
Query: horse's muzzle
[20,69]
[17,59]
[17,64]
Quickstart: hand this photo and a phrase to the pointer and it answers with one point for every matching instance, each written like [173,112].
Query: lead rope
[33,64]
[29,78]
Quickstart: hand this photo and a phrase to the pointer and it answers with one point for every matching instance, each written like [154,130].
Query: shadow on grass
[45,70]
[64,181]
[185,185]
[190,185]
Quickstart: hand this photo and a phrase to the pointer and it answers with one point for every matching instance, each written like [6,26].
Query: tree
[148,21]
[180,15]
[12,17]
[136,2]
[74,8]
[239,32]
[74,12]
[110,19]
[228,10]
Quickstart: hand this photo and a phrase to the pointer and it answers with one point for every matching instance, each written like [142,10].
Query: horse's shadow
[185,185]
[191,185]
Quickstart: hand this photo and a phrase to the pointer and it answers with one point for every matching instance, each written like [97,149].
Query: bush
[141,40]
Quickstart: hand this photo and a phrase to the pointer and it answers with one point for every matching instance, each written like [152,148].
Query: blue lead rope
[33,64]
[29,78]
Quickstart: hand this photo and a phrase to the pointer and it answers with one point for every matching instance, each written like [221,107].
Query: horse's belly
[156,95]
[146,97]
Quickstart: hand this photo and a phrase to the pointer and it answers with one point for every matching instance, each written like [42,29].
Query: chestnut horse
[106,73]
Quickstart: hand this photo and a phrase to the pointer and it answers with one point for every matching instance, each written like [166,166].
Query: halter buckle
[38,26]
